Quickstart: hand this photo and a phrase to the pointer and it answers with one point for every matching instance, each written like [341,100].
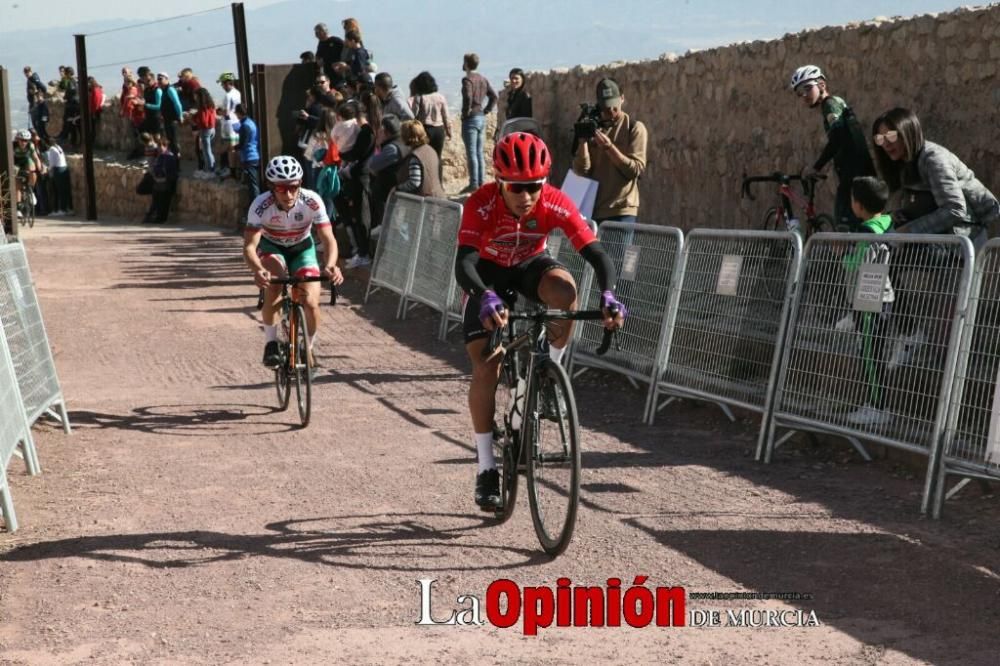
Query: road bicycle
[781,217]
[539,429]
[27,203]
[293,340]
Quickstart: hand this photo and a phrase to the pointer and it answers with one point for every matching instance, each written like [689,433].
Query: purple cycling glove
[612,304]
[489,304]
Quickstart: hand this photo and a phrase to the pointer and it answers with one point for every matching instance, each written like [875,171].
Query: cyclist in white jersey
[277,243]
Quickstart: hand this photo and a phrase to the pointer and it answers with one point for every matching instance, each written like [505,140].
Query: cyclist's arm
[836,136]
[601,262]
[251,238]
[465,271]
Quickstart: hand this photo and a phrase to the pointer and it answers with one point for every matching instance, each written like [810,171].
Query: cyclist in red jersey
[502,252]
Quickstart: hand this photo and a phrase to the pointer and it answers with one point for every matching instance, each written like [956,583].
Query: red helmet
[520,157]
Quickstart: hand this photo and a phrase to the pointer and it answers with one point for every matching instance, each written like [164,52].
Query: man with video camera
[611,149]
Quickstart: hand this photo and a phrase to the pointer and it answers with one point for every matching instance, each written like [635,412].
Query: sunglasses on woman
[517,188]
[287,188]
[889,137]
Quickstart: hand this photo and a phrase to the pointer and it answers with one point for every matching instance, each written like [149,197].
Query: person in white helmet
[278,242]
[846,145]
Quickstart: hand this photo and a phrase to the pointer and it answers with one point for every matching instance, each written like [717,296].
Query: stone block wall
[713,115]
[196,201]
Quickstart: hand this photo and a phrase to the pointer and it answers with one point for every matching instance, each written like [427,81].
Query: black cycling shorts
[523,279]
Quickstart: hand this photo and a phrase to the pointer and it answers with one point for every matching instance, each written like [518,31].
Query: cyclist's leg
[272,258]
[305,263]
[546,280]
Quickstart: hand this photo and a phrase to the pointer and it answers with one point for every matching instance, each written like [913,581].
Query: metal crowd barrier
[397,243]
[432,278]
[648,260]
[971,447]
[26,338]
[866,361]
[728,324]
[14,432]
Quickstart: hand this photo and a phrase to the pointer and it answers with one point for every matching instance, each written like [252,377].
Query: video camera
[587,123]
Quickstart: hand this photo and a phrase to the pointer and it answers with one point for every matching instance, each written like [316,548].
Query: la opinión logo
[567,605]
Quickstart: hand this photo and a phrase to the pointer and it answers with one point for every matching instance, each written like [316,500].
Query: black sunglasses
[518,188]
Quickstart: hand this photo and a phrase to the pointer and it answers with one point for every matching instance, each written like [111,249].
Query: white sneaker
[357,261]
[20,215]
[868,415]
[904,348]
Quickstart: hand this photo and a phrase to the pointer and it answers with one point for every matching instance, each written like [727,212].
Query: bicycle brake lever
[606,342]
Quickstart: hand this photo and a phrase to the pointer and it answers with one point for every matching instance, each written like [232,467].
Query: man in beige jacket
[615,157]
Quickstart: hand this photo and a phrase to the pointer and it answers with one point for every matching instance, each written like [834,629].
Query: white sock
[484,446]
[556,354]
[270,333]
[312,340]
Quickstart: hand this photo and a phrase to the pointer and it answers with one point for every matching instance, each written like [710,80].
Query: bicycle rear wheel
[302,369]
[505,441]
[552,433]
[821,223]
[282,373]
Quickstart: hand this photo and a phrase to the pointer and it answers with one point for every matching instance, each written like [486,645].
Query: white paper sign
[868,290]
[630,262]
[729,275]
[582,191]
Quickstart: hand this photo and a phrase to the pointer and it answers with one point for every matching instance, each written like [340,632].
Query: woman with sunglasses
[278,242]
[939,193]
[845,140]
[501,250]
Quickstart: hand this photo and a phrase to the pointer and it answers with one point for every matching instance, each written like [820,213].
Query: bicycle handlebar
[297,280]
[496,336]
[777,177]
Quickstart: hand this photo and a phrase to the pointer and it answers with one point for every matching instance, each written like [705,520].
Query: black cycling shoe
[553,407]
[272,354]
[488,490]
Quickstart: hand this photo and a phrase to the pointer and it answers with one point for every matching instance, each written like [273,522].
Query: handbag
[145,185]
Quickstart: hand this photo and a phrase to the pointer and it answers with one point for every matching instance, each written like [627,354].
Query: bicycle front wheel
[552,435]
[771,220]
[302,368]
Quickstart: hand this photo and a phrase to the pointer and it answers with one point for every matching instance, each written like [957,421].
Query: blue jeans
[473,132]
[205,138]
[252,176]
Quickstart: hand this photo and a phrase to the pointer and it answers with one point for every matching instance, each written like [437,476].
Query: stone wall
[196,201]
[713,115]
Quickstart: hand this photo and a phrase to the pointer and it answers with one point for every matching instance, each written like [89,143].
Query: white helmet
[283,168]
[24,134]
[806,73]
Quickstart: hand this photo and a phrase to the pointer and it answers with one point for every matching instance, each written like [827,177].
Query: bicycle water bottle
[519,395]
[793,224]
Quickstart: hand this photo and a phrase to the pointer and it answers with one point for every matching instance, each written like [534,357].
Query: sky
[555,33]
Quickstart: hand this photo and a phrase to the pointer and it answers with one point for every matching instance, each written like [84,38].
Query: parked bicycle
[781,217]
[539,431]
[293,338]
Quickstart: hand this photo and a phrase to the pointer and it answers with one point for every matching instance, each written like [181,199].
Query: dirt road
[186,521]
